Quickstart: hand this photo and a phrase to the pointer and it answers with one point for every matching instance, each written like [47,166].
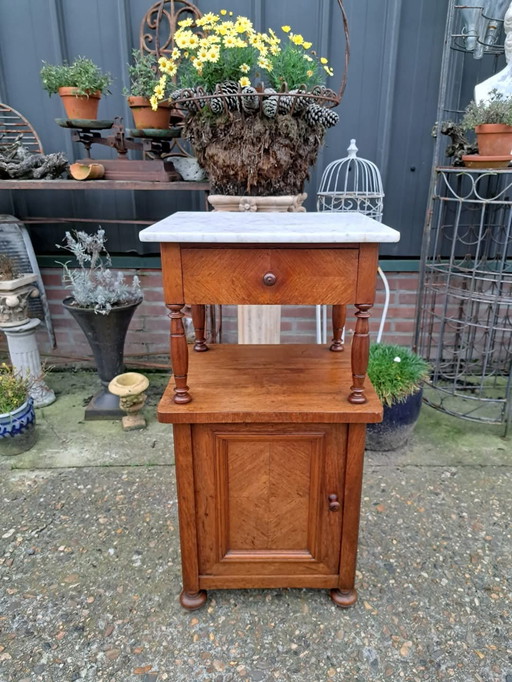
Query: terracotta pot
[145,118]
[80,106]
[494,139]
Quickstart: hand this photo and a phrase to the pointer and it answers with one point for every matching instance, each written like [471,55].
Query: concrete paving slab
[91,575]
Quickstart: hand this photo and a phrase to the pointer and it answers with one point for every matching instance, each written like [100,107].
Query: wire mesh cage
[352,184]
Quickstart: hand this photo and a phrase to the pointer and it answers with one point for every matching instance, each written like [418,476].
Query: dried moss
[254,155]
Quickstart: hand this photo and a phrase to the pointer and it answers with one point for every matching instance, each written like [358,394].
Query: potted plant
[143,81]
[397,375]
[491,120]
[80,86]
[102,303]
[256,106]
[15,291]
[17,415]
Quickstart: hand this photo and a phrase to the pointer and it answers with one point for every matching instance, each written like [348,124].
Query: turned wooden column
[179,353]
[198,319]
[360,352]
[339,316]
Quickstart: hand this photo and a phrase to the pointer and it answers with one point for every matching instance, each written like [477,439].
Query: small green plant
[395,372]
[496,109]
[82,74]
[143,75]
[13,389]
[93,284]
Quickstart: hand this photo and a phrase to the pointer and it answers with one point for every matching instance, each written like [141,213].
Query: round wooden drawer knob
[269,279]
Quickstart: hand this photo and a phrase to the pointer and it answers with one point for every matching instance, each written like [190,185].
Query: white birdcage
[351,184]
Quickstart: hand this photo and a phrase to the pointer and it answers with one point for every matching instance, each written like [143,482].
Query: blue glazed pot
[397,425]
[17,429]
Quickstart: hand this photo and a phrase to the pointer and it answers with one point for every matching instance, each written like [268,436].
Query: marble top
[268,228]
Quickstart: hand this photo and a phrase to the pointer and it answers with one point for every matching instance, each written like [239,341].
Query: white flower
[397,359]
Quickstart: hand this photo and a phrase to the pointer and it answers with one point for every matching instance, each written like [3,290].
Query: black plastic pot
[397,425]
[106,336]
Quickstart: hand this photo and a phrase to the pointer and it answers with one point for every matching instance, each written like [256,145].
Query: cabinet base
[193,600]
[344,598]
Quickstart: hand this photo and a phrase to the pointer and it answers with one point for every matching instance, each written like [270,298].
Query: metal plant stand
[465,316]
[464,312]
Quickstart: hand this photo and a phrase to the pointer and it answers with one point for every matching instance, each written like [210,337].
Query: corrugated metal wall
[389,104]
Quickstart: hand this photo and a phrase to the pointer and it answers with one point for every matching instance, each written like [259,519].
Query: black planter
[397,425]
[106,335]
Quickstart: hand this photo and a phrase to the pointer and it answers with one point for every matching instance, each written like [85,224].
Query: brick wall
[148,333]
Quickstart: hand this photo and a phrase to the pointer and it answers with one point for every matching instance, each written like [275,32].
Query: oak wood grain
[293,383]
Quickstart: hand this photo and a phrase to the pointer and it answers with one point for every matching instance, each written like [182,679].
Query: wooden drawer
[269,276]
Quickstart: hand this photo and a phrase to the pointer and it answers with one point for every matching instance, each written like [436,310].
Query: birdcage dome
[352,184]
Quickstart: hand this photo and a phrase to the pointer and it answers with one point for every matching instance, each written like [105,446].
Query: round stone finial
[129,383]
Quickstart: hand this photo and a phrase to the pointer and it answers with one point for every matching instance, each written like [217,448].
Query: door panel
[262,498]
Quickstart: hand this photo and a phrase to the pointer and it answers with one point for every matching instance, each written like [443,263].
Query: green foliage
[395,372]
[93,284]
[13,389]
[289,66]
[497,109]
[82,74]
[143,75]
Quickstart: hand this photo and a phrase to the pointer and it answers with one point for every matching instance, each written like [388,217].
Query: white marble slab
[268,228]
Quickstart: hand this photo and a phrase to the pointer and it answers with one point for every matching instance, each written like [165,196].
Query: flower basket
[256,119]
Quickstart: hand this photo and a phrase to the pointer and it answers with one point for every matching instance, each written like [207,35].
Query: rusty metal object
[161,22]
[14,126]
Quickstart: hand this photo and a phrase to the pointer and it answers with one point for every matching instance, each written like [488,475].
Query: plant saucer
[84,123]
[160,133]
[478,161]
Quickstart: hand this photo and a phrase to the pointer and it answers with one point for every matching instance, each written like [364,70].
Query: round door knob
[334,505]
[269,279]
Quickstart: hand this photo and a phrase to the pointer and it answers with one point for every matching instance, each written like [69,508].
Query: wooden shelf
[103,185]
[273,384]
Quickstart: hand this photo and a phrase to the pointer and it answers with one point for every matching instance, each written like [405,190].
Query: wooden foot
[360,352]
[179,354]
[198,318]
[344,598]
[339,315]
[193,600]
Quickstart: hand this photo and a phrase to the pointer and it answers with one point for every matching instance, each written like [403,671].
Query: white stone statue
[501,81]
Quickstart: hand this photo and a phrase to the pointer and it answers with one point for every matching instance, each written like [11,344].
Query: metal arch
[14,126]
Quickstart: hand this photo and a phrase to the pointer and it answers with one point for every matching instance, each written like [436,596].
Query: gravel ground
[89,563]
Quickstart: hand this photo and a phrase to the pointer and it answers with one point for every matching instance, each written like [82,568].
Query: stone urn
[131,387]
[14,297]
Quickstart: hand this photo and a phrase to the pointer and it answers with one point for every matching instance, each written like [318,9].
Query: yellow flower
[154,102]
[203,54]
[329,71]
[175,54]
[159,91]
[193,41]
[245,68]
[211,18]
[163,80]
[244,81]
[185,23]
[162,62]
[229,41]
[197,63]
[223,12]
[306,45]
[264,63]
[286,29]
[307,58]
[275,50]
[297,39]
[243,25]
[171,69]
[310,73]
[323,60]
[213,54]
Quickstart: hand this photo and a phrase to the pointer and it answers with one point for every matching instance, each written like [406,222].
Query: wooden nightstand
[269,453]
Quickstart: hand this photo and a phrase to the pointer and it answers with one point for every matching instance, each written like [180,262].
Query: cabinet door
[262,500]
